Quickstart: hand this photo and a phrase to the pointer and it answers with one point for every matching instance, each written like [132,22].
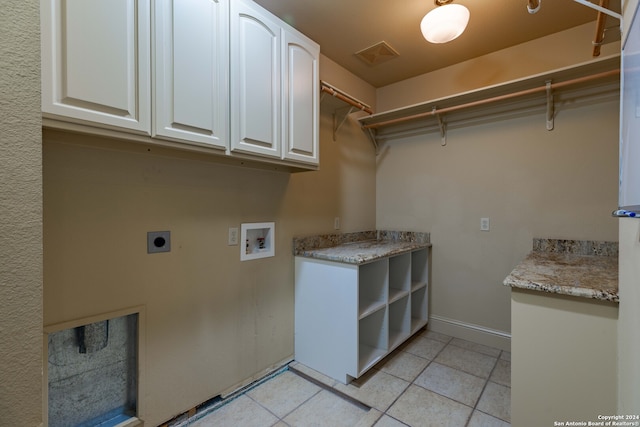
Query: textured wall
[537,56]
[212,321]
[20,216]
[529,181]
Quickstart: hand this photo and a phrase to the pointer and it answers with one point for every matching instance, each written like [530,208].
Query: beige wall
[20,216]
[345,184]
[203,296]
[547,53]
[211,321]
[529,181]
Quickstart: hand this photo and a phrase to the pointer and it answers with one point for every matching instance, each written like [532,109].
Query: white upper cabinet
[226,75]
[255,82]
[274,87]
[301,98]
[191,101]
[96,62]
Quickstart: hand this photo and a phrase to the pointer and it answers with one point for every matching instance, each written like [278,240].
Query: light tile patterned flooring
[432,380]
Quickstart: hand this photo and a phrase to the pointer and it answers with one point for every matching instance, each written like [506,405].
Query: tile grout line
[475,407]
[360,403]
[433,360]
[484,387]
[203,410]
[331,389]
[486,380]
[357,402]
[412,382]
[281,419]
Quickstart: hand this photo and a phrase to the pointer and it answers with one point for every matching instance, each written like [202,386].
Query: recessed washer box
[257,240]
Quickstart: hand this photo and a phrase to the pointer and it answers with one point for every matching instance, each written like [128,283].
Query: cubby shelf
[348,317]
[369,307]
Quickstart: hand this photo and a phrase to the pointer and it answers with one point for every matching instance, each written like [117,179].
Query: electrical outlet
[336,223]
[233,236]
[484,224]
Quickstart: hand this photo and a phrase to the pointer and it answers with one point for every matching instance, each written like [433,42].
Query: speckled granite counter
[361,247]
[569,267]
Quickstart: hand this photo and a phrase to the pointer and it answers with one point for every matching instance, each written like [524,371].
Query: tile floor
[432,380]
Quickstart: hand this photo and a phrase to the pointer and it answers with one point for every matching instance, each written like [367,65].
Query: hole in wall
[92,373]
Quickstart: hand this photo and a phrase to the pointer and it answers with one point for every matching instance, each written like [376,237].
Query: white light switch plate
[484,224]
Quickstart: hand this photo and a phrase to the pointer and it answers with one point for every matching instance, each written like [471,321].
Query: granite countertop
[360,248]
[568,267]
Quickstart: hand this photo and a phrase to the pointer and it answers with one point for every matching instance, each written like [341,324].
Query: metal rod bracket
[550,106]
[601,9]
[371,133]
[442,125]
[339,117]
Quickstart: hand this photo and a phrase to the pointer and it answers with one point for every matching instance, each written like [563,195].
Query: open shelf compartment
[419,268]
[399,276]
[372,287]
[419,308]
[399,322]
[372,339]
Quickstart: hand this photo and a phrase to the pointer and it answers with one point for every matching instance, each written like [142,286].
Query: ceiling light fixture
[444,23]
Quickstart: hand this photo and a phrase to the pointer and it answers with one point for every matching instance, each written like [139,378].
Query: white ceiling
[344,27]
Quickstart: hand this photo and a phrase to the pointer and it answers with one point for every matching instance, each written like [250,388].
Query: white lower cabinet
[348,317]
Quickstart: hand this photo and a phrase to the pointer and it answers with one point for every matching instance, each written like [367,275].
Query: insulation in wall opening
[92,373]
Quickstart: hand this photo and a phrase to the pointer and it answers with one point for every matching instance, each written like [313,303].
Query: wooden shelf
[589,82]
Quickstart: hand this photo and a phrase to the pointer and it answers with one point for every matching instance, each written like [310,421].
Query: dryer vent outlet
[158,241]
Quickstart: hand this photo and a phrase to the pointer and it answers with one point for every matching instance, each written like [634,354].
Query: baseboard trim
[470,332]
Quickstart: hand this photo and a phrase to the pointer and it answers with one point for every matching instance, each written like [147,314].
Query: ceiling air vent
[377,54]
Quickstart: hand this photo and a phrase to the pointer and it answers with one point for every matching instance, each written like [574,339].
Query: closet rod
[436,111]
[346,99]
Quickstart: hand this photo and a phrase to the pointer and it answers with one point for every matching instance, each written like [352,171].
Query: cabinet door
[96,62]
[301,98]
[191,71]
[255,80]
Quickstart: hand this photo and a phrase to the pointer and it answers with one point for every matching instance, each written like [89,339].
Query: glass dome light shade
[444,23]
